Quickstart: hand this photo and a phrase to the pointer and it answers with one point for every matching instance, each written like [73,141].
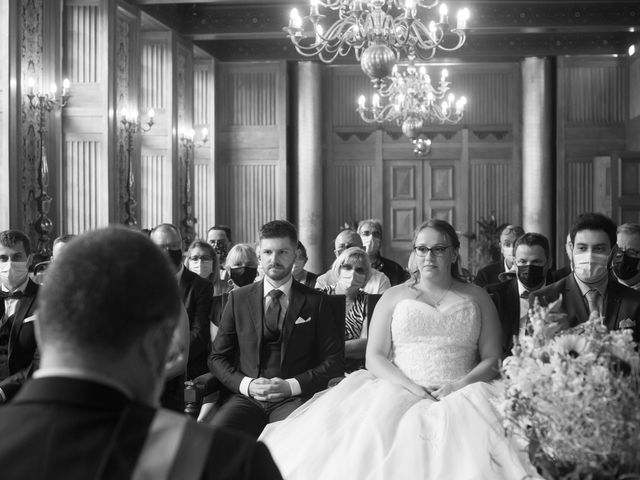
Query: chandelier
[379,31]
[412,101]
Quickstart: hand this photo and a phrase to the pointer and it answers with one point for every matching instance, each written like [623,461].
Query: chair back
[338,305]
[372,300]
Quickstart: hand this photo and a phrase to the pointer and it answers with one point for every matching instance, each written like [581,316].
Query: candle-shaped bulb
[134,115]
[445,106]
[376,100]
[319,32]
[443,13]
[152,113]
[632,50]
[451,97]
[445,73]
[66,83]
[361,101]
[124,113]
[31,83]
[54,89]
[295,21]
[205,134]
[463,16]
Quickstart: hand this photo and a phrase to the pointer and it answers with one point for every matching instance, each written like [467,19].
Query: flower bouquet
[575,398]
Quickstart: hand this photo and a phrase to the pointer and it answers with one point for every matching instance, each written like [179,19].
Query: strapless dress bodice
[434,346]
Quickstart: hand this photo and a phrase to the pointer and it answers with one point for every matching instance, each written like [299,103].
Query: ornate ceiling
[499,29]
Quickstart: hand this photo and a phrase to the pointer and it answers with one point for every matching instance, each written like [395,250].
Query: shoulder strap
[175,448]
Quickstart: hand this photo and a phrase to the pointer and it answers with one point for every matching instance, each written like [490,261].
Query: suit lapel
[613,299]
[255,306]
[23,306]
[513,299]
[574,302]
[296,302]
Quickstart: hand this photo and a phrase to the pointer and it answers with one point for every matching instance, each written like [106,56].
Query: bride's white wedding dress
[370,428]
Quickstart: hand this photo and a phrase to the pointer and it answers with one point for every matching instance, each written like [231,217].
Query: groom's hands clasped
[269,389]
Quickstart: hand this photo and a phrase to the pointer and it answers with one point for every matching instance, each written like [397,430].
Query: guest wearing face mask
[491,273]
[241,269]
[532,260]
[370,231]
[626,258]
[590,289]
[197,295]
[18,352]
[299,273]
[352,269]
[203,261]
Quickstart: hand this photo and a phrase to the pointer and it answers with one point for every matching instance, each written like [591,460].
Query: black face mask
[221,251]
[624,266]
[242,276]
[531,276]
[175,255]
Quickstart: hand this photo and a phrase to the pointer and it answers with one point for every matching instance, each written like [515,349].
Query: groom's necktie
[272,315]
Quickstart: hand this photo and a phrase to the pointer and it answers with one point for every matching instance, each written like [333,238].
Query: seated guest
[242,268]
[203,261]
[352,269]
[532,260]
[17,310]
[377,282]
[626,259]
[277,344]
[197,296]
[40,269]
[370,232]
[490,273]
[299,273]
[59,243]
[590,289]
[91,410]
[219,237]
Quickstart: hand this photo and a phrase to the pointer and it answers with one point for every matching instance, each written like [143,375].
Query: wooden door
[625,187]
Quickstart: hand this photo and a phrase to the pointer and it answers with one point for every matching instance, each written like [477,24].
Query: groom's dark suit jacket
[72,429]
[620,303]
[22,341]
[506,297]
[311,349]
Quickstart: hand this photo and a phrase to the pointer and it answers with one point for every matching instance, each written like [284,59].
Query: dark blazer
[310,279]
[312,352]
[197,295]
[74,428]
[621,302]
[22,348]
[507,300]
[393,271]
[489,274]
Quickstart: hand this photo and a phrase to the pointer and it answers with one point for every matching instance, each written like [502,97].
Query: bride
[422,409]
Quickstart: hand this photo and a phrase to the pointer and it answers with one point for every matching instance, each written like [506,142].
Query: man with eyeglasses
[378,282]
[370,232]
[490,273]
[626,257]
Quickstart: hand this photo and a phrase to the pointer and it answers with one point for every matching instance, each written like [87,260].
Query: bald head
[346,239]
[168,238]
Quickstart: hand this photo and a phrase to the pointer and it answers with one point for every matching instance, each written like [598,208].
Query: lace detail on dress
[435,346]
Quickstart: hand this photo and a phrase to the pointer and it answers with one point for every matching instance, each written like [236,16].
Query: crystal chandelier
[380,32]
[412,101]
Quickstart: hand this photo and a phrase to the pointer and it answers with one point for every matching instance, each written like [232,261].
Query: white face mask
[204,268]
[350,280]
[590,267]
[13,274]
[507,252]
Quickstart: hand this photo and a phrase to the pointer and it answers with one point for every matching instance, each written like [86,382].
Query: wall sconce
[43,103]
[188,142]
[132,125]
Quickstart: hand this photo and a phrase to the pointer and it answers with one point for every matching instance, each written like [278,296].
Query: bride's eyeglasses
[436,250]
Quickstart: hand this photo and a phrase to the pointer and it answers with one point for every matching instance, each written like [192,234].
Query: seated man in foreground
[590,289]
[107,314]
[278,342]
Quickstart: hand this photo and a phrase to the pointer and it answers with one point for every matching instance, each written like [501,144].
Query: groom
[277,343]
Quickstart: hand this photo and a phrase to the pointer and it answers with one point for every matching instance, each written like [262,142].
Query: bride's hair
[444,228]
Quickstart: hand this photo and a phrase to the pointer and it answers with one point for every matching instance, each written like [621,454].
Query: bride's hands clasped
[445,390]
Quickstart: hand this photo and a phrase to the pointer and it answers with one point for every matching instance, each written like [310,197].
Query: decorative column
[309,162]
[538,187]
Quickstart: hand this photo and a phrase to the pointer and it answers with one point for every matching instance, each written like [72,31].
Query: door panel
[625,189]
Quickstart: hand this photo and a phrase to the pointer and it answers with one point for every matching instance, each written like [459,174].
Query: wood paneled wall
[472,170]
[251,146]
[591,113]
